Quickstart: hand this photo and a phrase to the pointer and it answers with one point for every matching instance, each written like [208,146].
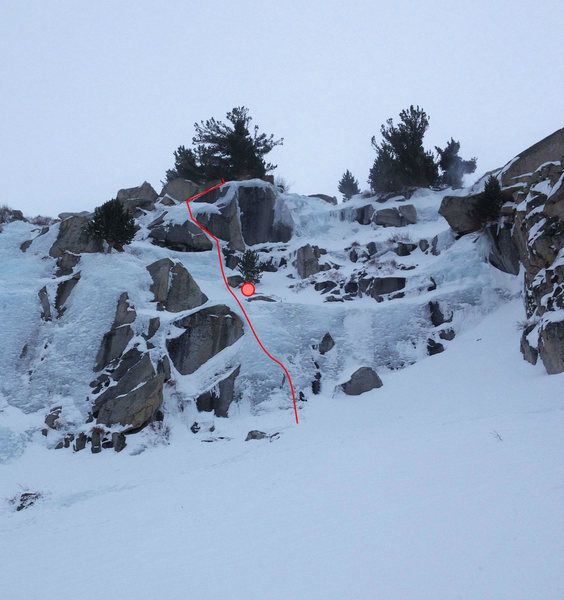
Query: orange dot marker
[248,289]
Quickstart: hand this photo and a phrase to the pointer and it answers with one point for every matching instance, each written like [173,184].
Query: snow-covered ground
[446,483]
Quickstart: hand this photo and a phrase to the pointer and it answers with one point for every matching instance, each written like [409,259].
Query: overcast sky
[97,95]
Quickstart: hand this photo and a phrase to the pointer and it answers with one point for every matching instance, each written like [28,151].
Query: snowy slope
[445,483]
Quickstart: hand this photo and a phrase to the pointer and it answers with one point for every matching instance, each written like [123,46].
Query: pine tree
[491,200]
[185,166]
[250,267]
[112,223]
[401,160]
[454,167]
[348,185]
[225,151]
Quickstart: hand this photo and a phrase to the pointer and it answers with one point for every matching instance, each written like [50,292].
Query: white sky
[96,96]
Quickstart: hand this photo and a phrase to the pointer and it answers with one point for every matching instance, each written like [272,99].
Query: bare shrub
[400,237]
[25,500]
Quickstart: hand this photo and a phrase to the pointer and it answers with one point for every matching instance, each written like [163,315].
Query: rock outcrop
[461,213]
[173,287]
[206,333]
[73,237]
[307,261]
[138,199]
[548,149]
[129,390]
[116,340]
[247,215]
[503,252]
[395,217]
[180,190]
[326,344]
[538,236]
[187,237]
[134,399]
[64,290]
[362,380]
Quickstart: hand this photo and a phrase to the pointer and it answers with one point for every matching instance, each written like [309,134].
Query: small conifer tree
[348,185]
[250,267]
[491,200]
[401,160]
[112,223]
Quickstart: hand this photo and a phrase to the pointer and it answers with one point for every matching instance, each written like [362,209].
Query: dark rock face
[248,217]
[386,285]
[362,380]
[116,340]
[45,304]
[80,442]
[437,316]
[133,408]
[135,393]
[154,325]
[404,249]
[125,313]
[307,261]
[364,214]
[461,213]
[187,237]
[326,343]
[183,293]
[113,344]
[207,332]
[96,441]
[408,214]
[395,217]
[447,334]
[118,441]
[235,280]
[257,205]
[503,254]
[538,236]
[74,238]
[551,347]
[224,225]
[530,354]
[64,290]
[220,397]
[66,263]
[548,149]
[324,286]
[140,197]
[255,434]
[181,189]
[434,347]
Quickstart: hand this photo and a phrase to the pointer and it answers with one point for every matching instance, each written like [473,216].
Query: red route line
[234,296]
